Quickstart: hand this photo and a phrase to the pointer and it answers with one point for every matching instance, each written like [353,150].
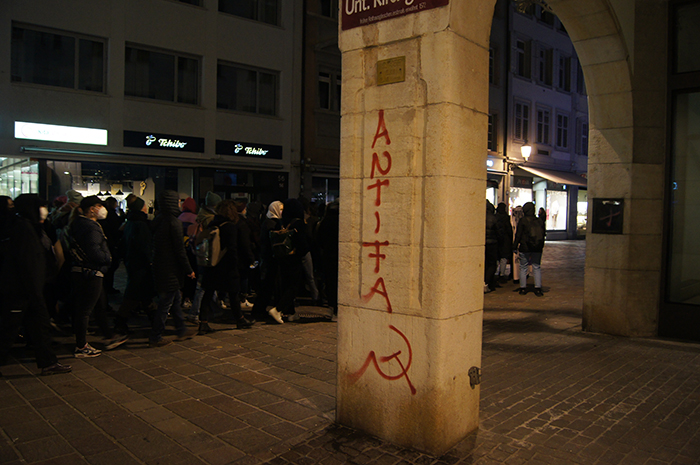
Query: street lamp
[526,150]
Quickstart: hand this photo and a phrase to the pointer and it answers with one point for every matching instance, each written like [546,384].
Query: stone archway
[412,216]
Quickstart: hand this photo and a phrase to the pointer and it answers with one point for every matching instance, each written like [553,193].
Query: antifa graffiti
[382,167]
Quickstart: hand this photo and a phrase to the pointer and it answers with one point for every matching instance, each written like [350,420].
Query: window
[562,131]
[62,60]
[544,16]
[246,89]
[580,81]
[543,126]
[544,66]
[329,8]
[492,134]
[266,11]
[582,137]
[522,58]
[522,120]
[161,76]
[329,90]
[564,71]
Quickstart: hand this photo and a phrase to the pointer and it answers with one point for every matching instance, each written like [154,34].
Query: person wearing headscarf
[291,266]
[269,267]
[170,268]
[23,275]
[188,218]
[90,259]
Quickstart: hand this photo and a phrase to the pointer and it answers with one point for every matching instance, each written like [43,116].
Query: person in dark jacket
[137,250]
[505,241]
[224,278]
[529,254]
[328,241]
[491,248]
[269,267]
[291,266]
[22,273]
[89,261]
[170,268]
[112,229]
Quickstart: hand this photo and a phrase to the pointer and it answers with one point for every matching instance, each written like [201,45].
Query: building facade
[114,97]
[537,99]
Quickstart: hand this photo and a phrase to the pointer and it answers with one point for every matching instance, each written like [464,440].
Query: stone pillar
[412,188]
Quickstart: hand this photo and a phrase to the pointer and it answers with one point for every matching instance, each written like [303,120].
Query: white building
[537,98]
[192,95]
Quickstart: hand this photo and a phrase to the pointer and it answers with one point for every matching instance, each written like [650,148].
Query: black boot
[204,328]
[242,323]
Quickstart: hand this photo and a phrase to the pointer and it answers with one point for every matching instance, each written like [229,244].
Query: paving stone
[44,449]
[250,440]
[218,423]
[92,444]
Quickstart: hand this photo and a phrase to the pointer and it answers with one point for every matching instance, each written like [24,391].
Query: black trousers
[36,322]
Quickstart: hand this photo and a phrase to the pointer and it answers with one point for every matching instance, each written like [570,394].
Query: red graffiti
[372,358]
[375,290]
[377,255]
[381,126]
[378,185]
[379,287]
[376,165]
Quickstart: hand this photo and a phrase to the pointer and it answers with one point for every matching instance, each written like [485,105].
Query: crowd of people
[510,239]
[58,261]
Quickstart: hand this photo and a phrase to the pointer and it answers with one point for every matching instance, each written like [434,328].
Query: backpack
[535,235]
[281,242]
[208,246]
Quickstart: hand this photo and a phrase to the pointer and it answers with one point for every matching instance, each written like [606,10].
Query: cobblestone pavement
[551,394]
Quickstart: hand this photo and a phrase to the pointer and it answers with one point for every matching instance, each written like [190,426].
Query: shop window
[522,120]
[582,212]
[247,89]
[161,76]
[582,137]
[562,131]
[564,73]
[543,126]
[266,11]
[492,134]
[522,58]
[544,66]
[18,176]
[329,8]
[557,202]
[62,60]
[519,196]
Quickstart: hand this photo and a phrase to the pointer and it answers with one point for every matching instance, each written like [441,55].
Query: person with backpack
[291,262]
[529,241]
[269,267]
[221,271]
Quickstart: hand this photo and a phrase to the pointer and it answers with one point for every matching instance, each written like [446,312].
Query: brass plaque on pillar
[391,71]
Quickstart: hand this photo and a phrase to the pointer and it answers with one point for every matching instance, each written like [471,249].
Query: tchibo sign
[248,149]
[54,133]
[153,140]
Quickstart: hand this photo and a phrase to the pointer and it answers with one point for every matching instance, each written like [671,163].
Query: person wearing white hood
[269,267]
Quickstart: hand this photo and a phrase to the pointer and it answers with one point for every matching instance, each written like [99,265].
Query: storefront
[562,195]
[156,162]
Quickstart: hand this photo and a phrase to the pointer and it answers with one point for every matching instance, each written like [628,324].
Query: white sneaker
[274,313]
[87,351]
[245,305]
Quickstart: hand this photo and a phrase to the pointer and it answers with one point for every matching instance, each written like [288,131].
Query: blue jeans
[167,302]
[534,259]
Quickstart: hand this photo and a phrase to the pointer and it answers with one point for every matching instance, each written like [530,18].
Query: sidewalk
[551,394]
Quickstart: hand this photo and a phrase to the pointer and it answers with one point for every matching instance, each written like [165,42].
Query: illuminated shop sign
[364,12]
[155,140]
[54,133]
[248,149]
